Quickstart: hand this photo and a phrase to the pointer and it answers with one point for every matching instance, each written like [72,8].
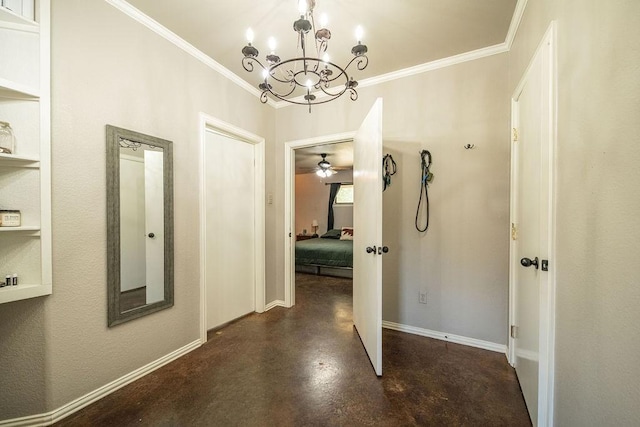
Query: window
[345,195]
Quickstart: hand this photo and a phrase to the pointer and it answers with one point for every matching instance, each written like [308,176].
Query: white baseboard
[91,397]
[471,342]
[275,303]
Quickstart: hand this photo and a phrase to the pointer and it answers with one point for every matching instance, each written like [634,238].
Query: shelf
[15,293]
[11,17]
[25,229]
[14,90]
[17,161]
[25,177]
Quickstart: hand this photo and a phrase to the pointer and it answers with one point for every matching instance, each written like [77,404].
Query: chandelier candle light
[293,79]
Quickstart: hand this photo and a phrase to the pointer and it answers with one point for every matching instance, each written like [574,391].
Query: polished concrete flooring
[306,366]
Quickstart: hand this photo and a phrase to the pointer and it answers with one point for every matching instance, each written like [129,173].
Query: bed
[329,256]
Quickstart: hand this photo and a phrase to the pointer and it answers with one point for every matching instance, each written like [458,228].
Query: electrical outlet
[422,298]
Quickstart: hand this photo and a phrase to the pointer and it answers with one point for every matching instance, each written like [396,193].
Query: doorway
[366,232]
[290,204]
[532,269]
[232,224]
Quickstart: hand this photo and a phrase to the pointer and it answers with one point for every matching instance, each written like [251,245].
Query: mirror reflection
[139,224]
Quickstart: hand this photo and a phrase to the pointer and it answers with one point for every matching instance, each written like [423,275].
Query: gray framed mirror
[139,224]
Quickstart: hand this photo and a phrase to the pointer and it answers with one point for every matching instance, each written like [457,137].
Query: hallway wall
[462,260]
[598,200]
[109,69]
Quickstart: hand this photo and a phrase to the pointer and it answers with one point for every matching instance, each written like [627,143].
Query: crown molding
[172,37]
[515,22]
[418,69]
[178,41]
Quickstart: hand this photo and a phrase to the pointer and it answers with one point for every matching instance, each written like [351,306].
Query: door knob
[527,262]
[382,250]
[151,235]
[371,250]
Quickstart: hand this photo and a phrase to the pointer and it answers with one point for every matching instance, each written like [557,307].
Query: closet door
[230,228]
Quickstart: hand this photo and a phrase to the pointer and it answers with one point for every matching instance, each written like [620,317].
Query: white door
[367,227]
[154,224]
[230,271]
[531,213]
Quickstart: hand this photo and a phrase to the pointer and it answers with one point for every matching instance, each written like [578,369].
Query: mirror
[139,224]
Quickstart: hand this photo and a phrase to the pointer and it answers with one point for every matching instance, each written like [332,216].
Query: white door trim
[546,372]
[290,204]
[208,122]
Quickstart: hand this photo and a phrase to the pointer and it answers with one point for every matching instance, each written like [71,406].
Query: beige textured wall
[462,260]
[108,69]
[598,200]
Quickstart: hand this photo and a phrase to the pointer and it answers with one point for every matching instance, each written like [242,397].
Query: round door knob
[528,262]
[151,235]
[385,249]
[371,250]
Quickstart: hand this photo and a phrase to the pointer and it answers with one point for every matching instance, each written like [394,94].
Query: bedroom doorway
[307,201]
[367,218]
[232,224]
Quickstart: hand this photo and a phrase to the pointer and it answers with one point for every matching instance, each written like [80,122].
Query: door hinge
[515,135]
[514,331]
[514,231]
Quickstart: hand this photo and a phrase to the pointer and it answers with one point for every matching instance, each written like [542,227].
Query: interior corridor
[306,366]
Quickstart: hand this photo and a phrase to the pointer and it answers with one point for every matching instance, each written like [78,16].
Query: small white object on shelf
[7,139]
[10,218]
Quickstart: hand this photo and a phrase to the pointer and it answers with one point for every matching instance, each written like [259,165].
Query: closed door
[230,228]
[530,229]
[154,224]
[367,235]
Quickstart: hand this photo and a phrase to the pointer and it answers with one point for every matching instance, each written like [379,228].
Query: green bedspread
[326,252]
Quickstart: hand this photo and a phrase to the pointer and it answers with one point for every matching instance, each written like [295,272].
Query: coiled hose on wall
[425,178]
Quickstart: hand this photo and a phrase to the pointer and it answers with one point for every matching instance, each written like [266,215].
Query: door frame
[210,123]
[546,367]
[290,204]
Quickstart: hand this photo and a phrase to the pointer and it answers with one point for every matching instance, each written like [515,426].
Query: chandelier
[292,80]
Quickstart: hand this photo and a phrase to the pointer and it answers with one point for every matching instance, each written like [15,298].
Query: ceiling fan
[325,170]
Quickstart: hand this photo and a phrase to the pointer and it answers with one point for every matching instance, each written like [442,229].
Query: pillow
[331,234]
[346,233]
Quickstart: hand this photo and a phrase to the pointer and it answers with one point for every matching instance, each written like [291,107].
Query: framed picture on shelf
[25,8]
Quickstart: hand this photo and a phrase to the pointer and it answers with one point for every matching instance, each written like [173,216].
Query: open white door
[367,239]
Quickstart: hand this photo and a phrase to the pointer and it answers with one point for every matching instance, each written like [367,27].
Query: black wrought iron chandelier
[293,80]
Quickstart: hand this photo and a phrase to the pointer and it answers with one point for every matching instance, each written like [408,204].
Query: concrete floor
[306,366]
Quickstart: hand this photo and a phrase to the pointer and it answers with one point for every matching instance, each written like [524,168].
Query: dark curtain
[332,198]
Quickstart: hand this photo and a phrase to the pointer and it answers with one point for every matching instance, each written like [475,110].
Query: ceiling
[340,156]
[399,33]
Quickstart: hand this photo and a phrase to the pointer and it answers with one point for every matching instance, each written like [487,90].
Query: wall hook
[470,146]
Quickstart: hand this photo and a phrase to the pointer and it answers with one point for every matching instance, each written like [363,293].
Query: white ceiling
[399,33]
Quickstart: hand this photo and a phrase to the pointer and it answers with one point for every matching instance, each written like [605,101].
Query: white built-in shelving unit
[25,176]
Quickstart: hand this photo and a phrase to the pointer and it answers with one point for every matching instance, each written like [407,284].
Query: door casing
[208,122]
[290,203]
[548,294]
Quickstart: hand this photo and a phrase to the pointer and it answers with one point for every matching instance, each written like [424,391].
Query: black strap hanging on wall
[389,169]
[425,178]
